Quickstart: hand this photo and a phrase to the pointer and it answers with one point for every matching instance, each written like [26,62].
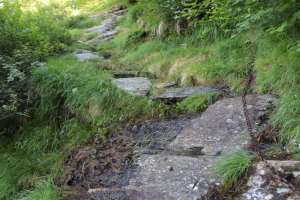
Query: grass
[21,170]
[99,5]
[278,73]
[44,190]
[198,102]
[74,102]
[82,21]
[81,35]
[81,89]
[232,167]
[49,139]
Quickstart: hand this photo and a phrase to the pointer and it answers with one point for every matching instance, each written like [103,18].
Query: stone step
[103,37]
[84,55]
[138,85]
[179,93]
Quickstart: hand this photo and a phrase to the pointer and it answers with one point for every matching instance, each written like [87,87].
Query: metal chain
[275,174]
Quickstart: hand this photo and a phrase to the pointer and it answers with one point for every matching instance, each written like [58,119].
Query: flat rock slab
[261,185]
[103,37]
[171,178]
[222,127]
[106,25]
[182,176]
[165,84]
[178,93]
[138,85]
[84,55]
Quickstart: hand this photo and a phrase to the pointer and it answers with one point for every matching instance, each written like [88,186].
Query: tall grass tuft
[21,170]
[43,190]
[232,166]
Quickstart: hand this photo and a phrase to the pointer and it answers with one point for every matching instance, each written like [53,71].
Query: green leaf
[282,27]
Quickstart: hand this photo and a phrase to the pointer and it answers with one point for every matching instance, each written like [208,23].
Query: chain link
[275,174]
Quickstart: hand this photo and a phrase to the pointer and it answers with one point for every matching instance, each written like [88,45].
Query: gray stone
[106,25]
[106,30]
[178,93]
[185,176]
[84,55]
[103,37]
[222,127]
[138,85]
[171,178]
[261,184]
[165,84]
[96,16]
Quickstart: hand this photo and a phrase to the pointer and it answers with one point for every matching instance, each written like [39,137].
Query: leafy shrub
[136,36]
[27,38]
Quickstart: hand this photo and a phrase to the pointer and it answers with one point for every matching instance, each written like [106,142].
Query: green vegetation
[232,167]
[198,102]
[83,90]
[44,190]
[27,38]
[100,5]
[21,170]
[82,21]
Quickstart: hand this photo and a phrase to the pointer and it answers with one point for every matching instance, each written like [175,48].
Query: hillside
[149,99]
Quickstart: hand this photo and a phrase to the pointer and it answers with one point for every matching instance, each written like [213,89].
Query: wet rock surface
[169,159]
[84,55]
[172,177]
[105,171]
[261,185]
[186,175]
[222,127]
[138,85]
[179,93]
